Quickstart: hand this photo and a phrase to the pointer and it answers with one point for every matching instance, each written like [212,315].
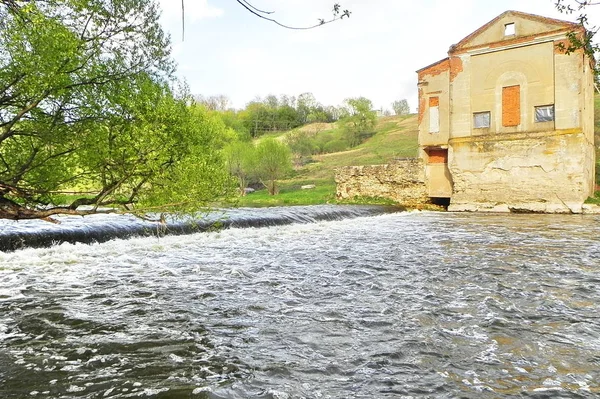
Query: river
[402,305]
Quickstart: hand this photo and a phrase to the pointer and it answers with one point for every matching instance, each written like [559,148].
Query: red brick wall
[437,156]
[511,106]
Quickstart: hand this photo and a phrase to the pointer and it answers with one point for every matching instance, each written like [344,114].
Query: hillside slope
[395,137]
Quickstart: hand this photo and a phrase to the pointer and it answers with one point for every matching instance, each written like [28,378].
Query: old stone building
[506,120]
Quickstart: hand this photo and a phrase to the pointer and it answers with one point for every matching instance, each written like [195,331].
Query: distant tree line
[273,113]
[281,113]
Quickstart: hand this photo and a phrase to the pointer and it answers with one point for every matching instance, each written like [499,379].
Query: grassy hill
[395,137]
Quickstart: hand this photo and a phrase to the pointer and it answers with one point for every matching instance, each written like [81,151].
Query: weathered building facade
[506,120]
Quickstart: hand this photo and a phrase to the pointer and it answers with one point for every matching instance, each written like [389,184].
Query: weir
[15,235]
[408,304]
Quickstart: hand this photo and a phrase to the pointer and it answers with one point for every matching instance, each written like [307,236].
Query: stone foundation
[541,172]
[402,181]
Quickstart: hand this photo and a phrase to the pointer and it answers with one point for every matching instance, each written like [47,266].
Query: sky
[374,53]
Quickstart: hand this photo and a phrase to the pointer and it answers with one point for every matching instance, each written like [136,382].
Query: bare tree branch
[337,14]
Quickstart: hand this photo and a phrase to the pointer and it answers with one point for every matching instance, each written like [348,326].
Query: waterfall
[100,228]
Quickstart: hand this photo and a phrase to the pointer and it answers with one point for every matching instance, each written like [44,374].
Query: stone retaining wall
[545,172]
[402,181]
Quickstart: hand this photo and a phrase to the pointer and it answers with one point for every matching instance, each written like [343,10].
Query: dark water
[413,305]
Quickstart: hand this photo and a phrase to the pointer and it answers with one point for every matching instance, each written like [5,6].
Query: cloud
[374,53]
[195,10]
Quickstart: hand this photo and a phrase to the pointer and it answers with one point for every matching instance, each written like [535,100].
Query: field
[395,137]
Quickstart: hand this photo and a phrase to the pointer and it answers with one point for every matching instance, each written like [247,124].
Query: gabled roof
[556,25]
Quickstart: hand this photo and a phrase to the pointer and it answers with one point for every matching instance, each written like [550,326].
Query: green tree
[239,159]
[306,102]
[287,117]
[401,107]
[302,146]
[86,109]
[360,122]
[233,121]
[580,39]
[256,118]
[187,171]
[272,162]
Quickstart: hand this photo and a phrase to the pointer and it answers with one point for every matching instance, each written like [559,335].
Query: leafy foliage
[273,161]
[271,114]
[360,122]
[584,38]
[401,107]
[86,109]
[240,160]
[302,146]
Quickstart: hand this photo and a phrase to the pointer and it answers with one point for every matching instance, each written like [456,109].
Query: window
[511,106]
[434,114]
[481,119]
[509,29]
[544,113]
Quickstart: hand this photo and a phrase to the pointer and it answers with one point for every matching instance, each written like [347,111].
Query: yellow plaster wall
[435,86]
[531,67]
[569,85]
[587,106]
[460,100]
[439,180]
[523,27]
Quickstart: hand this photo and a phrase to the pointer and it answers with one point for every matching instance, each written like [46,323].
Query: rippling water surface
[411,305]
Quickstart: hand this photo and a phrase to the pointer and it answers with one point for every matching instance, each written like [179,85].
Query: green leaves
[580,39]
[239,157]
[273,161]
[86,109]
[267,162]
[360,122]
[401,107]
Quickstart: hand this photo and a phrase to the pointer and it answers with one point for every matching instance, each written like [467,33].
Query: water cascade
[101,228]
[397,305]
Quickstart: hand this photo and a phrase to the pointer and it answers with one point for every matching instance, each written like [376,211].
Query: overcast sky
[374,53]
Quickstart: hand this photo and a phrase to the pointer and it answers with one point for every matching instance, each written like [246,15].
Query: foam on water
[397,305]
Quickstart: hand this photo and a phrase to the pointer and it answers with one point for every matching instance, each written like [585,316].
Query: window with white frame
[544,113]
[481,120]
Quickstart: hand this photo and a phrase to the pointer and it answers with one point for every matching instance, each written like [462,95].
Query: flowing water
[404,305]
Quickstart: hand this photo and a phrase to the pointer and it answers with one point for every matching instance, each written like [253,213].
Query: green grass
[291,193]
[595,199]
[395,137]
